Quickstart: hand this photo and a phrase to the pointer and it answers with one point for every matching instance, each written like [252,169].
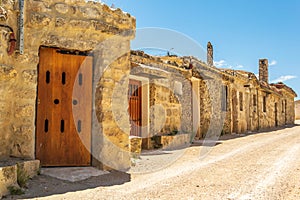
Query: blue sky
[241,31]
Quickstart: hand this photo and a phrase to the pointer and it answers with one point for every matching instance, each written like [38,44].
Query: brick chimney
[210,55]
[263,70]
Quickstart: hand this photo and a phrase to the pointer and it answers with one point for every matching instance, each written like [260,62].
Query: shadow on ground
[42,186]
[216,141]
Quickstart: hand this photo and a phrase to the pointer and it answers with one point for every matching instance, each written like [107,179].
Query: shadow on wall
[210,143]
[43,186]
[266,130]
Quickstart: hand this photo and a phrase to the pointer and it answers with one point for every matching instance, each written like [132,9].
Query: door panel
[135,107]
[276,114]
[62,103]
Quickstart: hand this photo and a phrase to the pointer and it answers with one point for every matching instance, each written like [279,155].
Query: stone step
[16,174]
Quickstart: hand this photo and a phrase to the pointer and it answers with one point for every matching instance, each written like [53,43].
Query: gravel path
[258,166]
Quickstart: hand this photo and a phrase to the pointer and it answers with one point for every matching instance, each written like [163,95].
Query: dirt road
[258,166]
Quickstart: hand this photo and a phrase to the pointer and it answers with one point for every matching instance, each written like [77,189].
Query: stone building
[62,63]
[166,106]
[208,101]
[73,94]
[297,109]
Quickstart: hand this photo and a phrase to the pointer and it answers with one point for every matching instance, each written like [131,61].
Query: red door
[63,135]
[135,107]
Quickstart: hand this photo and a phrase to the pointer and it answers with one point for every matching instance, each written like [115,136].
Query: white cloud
[284,78]
[220,63]
[224,64]
[239,67]
[272,63]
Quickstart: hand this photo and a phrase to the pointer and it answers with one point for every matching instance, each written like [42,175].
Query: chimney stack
[263,70]
[210,55]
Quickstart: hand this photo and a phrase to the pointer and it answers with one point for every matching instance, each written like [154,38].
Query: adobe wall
[72,25]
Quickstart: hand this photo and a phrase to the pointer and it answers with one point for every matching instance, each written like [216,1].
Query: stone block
[5,111]
[62,8]
[3,14]
[17,173]
[26,110]
[89,12]
[31,168]
[38,6]
[80,24]
[30,76]
[39,19]
[176,141]
[60,21]
[25,93]
[135,145]
[7,73]
[8,177]
[178,88]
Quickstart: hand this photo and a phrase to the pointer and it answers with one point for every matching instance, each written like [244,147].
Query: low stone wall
[15,174]
[172,142]
[8,177]
[135,145]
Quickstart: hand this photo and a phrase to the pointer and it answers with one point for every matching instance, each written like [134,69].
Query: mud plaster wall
[74,25]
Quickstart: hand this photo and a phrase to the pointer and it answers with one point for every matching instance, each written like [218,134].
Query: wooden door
[135,107]
[276,114]
[63,135]
[235,122]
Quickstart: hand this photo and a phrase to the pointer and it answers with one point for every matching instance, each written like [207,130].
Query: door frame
[135,107]
[70,52]
[196,107]
[145,129]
